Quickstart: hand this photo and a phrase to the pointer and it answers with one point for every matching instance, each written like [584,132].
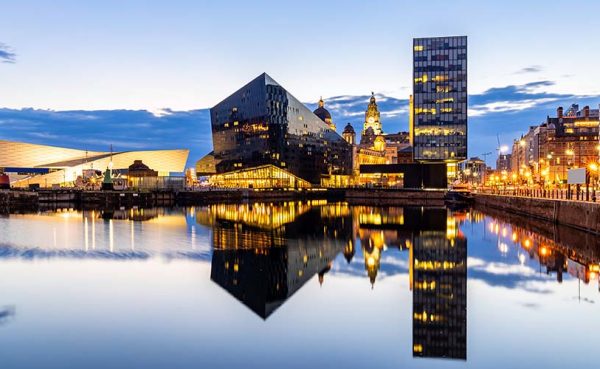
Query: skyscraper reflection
[439,270]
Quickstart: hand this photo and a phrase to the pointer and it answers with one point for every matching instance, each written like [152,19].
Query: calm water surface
[295,285]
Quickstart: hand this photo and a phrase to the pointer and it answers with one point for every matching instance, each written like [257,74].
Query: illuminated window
[419,48]
[422,79]
[419,111]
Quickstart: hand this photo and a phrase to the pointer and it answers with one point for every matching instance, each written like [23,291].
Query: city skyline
[175,71]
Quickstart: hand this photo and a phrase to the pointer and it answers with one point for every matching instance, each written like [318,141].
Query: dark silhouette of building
[139,169]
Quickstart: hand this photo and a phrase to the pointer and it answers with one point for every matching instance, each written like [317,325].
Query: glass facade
[440,98]
[262,123]
[264,176]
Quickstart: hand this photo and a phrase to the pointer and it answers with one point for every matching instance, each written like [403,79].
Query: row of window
[426,67]
[439,57]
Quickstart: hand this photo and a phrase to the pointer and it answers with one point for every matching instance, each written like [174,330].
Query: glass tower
[262,123]
[440,99]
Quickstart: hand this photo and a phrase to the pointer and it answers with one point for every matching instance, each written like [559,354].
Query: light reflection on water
[304,284]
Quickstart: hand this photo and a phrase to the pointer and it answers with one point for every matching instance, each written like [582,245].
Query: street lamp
[593,169]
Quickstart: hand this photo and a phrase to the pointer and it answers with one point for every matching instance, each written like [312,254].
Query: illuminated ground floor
[264,176]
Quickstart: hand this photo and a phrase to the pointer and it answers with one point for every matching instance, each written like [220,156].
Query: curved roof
[70,162]
[322,113]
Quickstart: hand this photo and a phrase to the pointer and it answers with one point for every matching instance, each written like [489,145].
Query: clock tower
[372,119]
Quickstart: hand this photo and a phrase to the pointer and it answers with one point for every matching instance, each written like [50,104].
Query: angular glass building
[263,124]
[440,99]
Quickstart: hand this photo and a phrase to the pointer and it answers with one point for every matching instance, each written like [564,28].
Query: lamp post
[592,169]
[519,164]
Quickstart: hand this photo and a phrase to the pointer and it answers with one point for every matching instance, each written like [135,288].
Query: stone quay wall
[578,214]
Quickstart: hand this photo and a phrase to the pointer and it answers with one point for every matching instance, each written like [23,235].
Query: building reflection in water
[557,249]
[439,282]
[263,253]
[437,270]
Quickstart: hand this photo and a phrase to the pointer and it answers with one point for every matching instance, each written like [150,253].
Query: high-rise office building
[440,100]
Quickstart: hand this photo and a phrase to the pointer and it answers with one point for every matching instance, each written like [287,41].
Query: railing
[581,194]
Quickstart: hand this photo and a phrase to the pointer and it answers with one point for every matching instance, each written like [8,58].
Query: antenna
[485,155]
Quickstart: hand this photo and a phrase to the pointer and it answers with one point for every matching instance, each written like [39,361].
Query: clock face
[371,119]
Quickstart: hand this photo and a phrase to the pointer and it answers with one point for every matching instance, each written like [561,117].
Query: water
[295,285]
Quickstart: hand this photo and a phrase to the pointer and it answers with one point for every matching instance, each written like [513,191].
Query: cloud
[506,106]
[530,69]
[96,130]
[6,54]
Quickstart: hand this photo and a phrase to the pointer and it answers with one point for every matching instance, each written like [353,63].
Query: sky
[525,57]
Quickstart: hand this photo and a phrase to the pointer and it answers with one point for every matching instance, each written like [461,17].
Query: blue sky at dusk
[141,74]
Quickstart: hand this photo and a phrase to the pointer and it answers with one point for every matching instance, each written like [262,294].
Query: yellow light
[593,167]
[544,251]
[522,143]
[419,48]
[527,244]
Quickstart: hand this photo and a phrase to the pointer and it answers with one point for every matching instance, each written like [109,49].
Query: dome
[349,128]
[322,113]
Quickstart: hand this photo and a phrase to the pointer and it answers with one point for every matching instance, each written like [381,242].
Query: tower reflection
[439,275]
[437,270]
